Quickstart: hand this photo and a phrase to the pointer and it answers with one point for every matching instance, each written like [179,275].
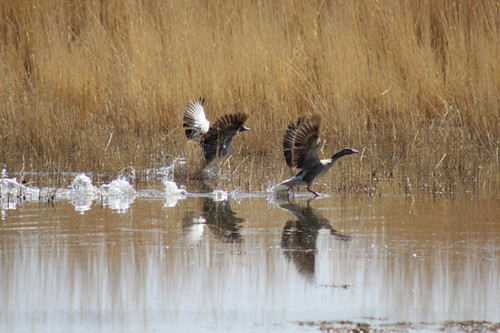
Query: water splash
[169,171]
[82,185]
[219,195]
[129,174]
[12,192]
[118,195]
[118,188]
[172,193]
[277,188]
[83,193]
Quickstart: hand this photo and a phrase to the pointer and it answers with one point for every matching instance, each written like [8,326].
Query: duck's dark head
[344,152]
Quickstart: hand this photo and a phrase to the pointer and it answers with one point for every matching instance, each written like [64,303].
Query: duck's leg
[316,194]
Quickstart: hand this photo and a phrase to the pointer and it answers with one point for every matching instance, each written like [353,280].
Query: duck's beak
[243,128]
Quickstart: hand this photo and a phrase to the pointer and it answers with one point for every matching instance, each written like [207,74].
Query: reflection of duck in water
[222,220]
[216,215]
[299,237]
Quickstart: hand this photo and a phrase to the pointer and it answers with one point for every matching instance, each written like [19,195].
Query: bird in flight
[300,146]
[215,138]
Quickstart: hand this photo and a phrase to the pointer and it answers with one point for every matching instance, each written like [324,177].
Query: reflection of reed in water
[299,237]
[218,217]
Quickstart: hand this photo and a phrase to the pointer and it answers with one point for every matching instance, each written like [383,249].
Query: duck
[215,138]
[300,146]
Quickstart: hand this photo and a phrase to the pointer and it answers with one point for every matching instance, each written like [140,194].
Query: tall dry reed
[101,85]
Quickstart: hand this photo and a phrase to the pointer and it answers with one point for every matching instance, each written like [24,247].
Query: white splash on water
[277,188]
[169,171]
[129,174]
[10,187]
[118,195]
[12,192]
[82,193]
[219,195]
[82,185]
[170,189]
[172,193]
[117,188]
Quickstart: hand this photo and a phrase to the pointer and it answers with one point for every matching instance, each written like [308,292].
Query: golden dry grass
[101,85]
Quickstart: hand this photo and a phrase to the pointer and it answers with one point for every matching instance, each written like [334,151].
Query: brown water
[250,263]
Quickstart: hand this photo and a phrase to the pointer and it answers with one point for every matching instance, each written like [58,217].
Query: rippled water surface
[203,260]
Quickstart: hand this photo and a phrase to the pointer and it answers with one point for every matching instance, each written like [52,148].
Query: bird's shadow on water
[214,214]
[300,236]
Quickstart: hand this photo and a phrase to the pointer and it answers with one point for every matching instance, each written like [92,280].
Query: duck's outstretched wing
[305,145]
[226,126]
[288,141]
[195,121]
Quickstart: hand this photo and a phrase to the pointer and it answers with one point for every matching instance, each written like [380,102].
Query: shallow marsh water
[160,259]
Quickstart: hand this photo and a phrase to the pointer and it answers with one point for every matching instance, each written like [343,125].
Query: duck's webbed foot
[316,194]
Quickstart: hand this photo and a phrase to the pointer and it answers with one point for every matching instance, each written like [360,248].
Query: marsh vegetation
[101,86]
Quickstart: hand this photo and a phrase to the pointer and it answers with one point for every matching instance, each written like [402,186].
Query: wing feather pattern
[226,126]
[305,152]
[300,143]
[289,141]
[195,121]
